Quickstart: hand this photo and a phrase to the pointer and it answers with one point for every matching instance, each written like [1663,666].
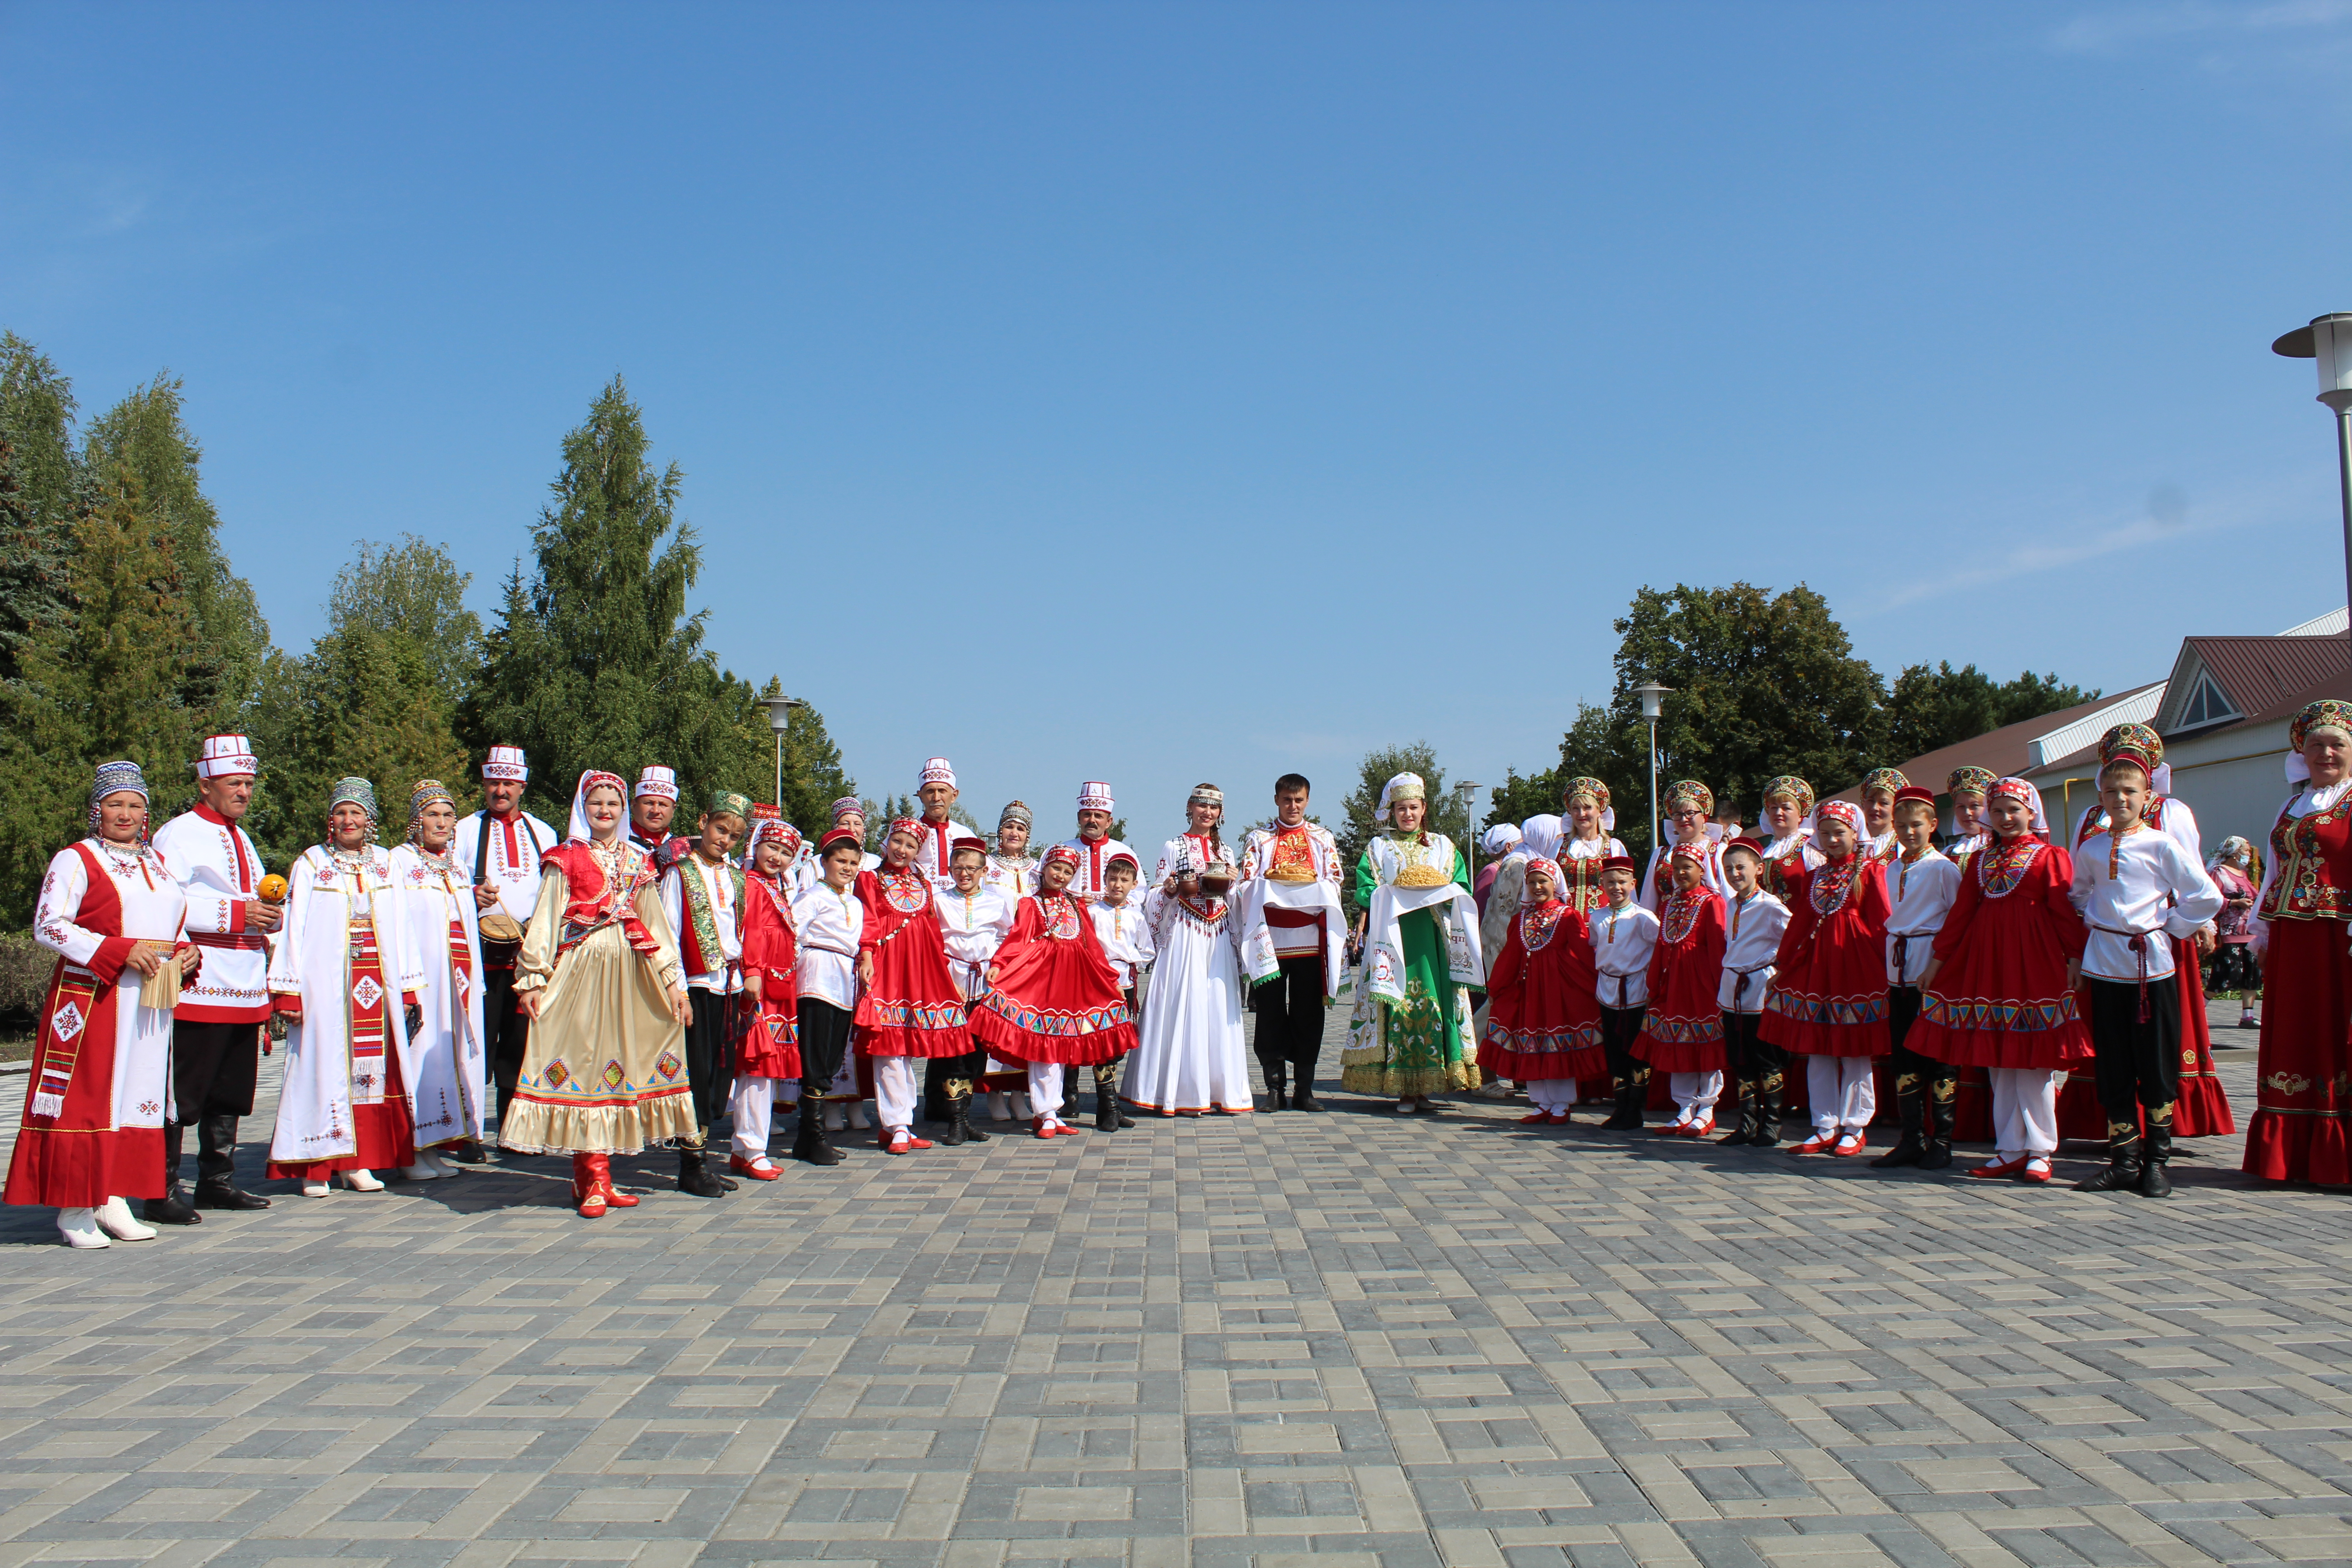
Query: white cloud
[2099,31]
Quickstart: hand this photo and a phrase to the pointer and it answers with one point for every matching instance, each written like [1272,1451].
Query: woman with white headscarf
[1410,1037]
[1191,1052]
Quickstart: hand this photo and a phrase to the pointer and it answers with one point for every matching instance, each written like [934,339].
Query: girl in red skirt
[2303,1113]
[1543,1017]
[1682,1034]
[767,1057]
[1829,984]
[1998,993]
[911,1008]
[1053,999]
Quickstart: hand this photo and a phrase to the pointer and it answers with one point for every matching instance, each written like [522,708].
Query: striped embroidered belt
[236,941]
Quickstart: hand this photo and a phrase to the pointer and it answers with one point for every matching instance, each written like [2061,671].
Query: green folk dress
[1422,1045]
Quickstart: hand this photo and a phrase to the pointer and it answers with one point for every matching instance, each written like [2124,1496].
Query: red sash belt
[238,940]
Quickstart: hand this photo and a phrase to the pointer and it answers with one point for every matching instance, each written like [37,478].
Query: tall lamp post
[1468,791]
[2328,339]
[1653,696]
[779,714]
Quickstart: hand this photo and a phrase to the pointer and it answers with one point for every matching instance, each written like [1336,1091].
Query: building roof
[2005,750]
[2264,678]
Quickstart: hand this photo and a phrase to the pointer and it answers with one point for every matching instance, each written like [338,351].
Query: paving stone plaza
[1351,1339]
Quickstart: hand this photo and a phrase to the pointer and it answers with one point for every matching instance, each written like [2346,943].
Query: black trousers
[505,1031]
[1620,1027]
[1289,1009]
[948,1077]
[2138,1059]
[1746,1057]
[824,1041]
[710,1058]
[213,1069]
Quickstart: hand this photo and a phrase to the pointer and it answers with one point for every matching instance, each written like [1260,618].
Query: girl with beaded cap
[2302,1125]
[1829,1000]
[439,914]
[1682,1032]
[1689,806]
[92,1130]
[1410,1036]
[1787,830]
[349,983]
[1543,1021]
[1879,788]
[1999,990]
[605,1070]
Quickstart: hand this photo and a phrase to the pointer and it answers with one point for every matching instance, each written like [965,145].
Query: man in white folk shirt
[652,810]
[217,1028]
[703,898]
[1094,843]
[1293,942]
[2138,891]
[498,848]
[936,789]
[975,917]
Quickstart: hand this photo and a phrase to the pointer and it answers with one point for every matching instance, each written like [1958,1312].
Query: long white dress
[1192,1052]
[437,919]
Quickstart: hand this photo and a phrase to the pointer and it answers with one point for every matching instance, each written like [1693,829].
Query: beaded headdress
[113,778]
[1890,779]
[1015,812]
[2134,743]
[1062,855]
[846,805]
[1696,853]
[1549,868]
[1684,794]
[906,825]
[422,794]
[2328,713]
[1205,794]
[1788,786]
[1845,811]
[594,779]
[1969,781]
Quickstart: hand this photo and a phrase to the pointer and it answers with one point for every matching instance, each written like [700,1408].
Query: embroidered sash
[73,998]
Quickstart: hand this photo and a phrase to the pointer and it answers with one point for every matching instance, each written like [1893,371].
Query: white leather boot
[79,1227]
[115,1218]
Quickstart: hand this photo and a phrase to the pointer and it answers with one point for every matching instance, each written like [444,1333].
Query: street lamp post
[1468,791]
[779,714]
[2328,339]
[1653,696]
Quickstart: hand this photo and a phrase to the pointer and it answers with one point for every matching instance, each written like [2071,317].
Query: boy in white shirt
[1921,883]
[702,898]
[2138,890]
[1623,936]
[1753,920]
[830,921]
[1126,938]
[975,917]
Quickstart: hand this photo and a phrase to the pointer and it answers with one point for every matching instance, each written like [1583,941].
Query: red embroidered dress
[771,1044]
[2203,1109]
[1543,1017]
[2302,1126]
[1683,1031]
[912,1008]
[1055,997]
[1829,984]
[2001,998]
[93,1119]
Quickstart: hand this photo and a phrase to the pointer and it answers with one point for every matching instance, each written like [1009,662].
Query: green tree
[596,661]
[1933,707]
[415,592]
[145,435]
[41,498]
[1357,827]
[813,778]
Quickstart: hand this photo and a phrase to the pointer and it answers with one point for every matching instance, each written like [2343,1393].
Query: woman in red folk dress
[911,1008]
[2000,992]
[768,1051]
[2303,1081]
[1053,999]
[92,1133]
[1682,1034]
[1829,985]
[1543,1013]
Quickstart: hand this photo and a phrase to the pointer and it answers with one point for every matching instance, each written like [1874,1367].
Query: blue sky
[1168,392]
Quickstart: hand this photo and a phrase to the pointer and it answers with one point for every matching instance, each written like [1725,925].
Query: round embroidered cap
[1684,794]
[1063,854]
[1751,845]
[1094,795]
[506,762]
[936,770]
[838,835]
[1536,863]
[227,757]
[1788,786]
[729,803]
[1844,811]
[1919,793]
[656,781]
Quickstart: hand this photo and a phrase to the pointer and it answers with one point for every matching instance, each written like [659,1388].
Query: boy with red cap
[1543,1019]
[974,916]
[1828,995]
[1922,882]
[2140,892]
[1682,1032]
[828,928]
[1623,934]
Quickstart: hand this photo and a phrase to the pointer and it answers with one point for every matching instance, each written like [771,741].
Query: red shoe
[1560,1118]
[903,1142]
[2037,1169]
[1064,1130]
[1541,1119]
[1037,1126]
[587,1191]
[613,1195]
[742,1167]
[1851,1144]
[1994,1170]
[1697,1129]
[1819,1144]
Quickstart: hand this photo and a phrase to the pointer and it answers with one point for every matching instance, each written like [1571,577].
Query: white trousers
[1046,1090]
[894,1090]
[1842,1092]
[752,1111]
[1695,1093]
[2024,1110]
[1554,1095]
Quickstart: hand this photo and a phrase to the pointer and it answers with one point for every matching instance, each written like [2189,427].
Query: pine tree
[41,498]
[1357,827]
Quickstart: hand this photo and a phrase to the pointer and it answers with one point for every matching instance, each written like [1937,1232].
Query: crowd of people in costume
[490,982]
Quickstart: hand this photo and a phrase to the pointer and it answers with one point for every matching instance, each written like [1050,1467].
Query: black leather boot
[1107,1105]
[1743,1112]
[808,1141]
[173,1208]
[2155,1180]
[1276,1072]
[1769,1090]
[960,1127]
[718,1172]
[1628,1117]
[1302,1095]
[1941,1106]
[216,1167]
[1908,1109]
[2123,1172]
[695,1176]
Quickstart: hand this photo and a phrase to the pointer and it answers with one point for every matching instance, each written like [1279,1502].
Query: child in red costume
[1999,990]
[1053,998]
[1682,1034]
[1543,1019]
[911,1008]
[1829,988]
[768,1056]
